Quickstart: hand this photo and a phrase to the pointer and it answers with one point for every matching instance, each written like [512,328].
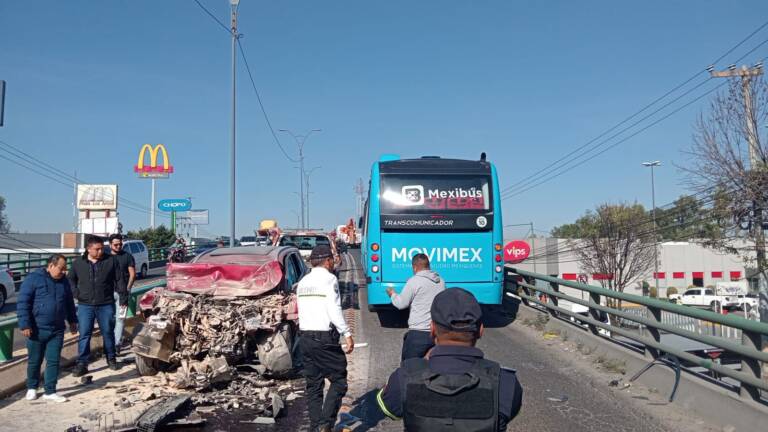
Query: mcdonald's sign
[153,170]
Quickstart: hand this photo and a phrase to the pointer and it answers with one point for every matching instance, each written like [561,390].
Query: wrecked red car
[227,306]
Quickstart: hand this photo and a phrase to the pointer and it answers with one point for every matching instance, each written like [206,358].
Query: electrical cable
[213,17]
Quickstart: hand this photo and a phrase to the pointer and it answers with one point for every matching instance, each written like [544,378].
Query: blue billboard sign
[178,204]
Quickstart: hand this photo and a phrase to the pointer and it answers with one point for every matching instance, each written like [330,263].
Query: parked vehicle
[248,241]
[704,297]
[236,304]
[306,241]
[745,302]
[138,249]
[7,287]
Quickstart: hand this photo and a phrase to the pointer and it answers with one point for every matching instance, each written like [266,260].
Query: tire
[3,296]
[143,271]
[715,305]
[147,366]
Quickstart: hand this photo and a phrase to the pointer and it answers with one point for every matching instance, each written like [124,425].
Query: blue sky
[90,82]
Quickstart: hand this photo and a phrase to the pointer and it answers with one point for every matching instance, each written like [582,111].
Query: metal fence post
[6,343]
[594,313]
[655,314]
[526,290]
[556,288]
[750,366]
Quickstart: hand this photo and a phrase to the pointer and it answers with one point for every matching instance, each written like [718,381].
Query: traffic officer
[454,388]
[321,322]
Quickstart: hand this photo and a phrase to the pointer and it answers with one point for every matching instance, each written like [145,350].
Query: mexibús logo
[439,255]
[472,192]
[414,195]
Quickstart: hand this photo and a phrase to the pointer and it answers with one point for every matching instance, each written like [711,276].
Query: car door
[691,297]
[291,276]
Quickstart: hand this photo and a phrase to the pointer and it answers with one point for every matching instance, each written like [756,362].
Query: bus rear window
[430,194]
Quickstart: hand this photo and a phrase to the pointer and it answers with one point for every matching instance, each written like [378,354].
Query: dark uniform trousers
[323,358]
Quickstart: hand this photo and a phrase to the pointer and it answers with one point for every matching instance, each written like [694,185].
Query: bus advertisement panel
[444,208]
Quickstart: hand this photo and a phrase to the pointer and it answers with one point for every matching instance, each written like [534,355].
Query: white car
[7,287]
[703,297]
[140,256]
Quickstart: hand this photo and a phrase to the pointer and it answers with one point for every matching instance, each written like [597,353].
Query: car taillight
[375,257]
[497,246]
[498,258]
[375,247]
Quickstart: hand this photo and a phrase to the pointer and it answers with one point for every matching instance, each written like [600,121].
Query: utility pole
[300,140]
[652,165]
[359,199]
[747,75]
[75,215]
[233,4]
[306,179]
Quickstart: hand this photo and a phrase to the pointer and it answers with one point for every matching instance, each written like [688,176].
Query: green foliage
[671,290]
[5,226]
[687,220]
[160,237]
[654,292]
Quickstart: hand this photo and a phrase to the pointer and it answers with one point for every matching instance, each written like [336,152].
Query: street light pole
[235,36]
[300,140]
[306,179]
[652,165]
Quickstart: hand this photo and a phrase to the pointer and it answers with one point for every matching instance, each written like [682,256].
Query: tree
[160,237]
[688,219]
[5,226]
[615,242]
[728,164]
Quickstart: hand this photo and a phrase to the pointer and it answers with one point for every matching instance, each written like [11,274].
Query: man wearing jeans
[417,294]
[45,304]
[95,278]
[128,272]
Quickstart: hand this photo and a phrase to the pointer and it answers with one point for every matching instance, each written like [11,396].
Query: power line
[527,179]
[213,17]
[261,104]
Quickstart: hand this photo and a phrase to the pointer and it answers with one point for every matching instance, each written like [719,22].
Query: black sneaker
[113,364]
[80,370]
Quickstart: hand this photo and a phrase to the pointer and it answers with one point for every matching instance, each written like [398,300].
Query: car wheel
[3,296]
[147,366]
[143,271]
[715,305]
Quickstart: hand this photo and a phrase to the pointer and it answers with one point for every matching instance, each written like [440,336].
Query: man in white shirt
[321,322]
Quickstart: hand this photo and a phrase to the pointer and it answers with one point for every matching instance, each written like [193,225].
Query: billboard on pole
[96,197]
[197,217]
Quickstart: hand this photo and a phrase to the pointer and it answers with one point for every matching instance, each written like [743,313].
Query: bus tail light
[375,269]
[498,258]
[499,268]
[497,246]
[375,247]
[375,257]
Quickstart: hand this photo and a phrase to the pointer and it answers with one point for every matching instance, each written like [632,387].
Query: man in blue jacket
[45,303]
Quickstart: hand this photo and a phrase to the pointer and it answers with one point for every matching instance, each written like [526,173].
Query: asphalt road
[9,309]
[558,394]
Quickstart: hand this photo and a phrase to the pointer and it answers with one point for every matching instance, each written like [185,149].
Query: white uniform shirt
[319,302]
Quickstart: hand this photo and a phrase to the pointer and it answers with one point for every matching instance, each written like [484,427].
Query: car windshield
[304,242]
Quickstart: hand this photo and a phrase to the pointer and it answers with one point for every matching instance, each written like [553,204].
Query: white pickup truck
[703,297]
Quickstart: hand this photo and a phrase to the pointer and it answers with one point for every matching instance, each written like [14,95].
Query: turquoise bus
[448,209]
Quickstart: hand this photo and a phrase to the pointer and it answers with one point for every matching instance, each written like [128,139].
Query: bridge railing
[9,323]
[658,317]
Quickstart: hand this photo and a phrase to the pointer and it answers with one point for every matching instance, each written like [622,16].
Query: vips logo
[439,255]
[413,195]
[516,251]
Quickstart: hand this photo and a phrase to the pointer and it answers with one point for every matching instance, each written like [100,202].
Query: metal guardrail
[9,324]
[749,350]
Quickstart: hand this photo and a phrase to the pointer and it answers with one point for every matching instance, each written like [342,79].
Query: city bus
[448,209]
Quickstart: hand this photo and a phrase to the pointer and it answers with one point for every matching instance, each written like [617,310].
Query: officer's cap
[456,309]
[321,252]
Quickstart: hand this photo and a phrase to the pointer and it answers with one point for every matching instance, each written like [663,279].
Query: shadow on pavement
[497,316]
[389,317]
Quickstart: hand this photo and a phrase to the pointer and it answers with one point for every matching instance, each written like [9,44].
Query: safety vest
[437,402]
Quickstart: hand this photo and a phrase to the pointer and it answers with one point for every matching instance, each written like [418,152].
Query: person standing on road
[455,388]
[418,293]
[95,277]
[44,307]
[127,266]
[321,322]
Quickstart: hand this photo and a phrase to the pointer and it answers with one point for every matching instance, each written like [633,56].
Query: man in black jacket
[95,277]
